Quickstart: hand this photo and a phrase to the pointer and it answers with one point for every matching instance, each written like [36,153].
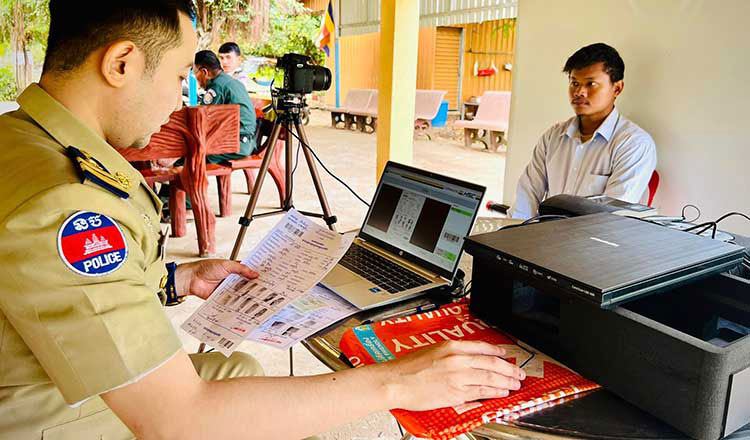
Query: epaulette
[91,169]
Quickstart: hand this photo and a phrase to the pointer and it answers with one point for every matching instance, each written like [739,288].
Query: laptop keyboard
[381,271]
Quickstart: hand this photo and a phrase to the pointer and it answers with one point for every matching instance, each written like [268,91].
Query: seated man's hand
[450,374]
[200,278]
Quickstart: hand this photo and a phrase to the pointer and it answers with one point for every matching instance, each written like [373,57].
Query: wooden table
[192,133]
[596,415]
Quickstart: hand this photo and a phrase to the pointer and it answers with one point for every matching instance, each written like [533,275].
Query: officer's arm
[173,402]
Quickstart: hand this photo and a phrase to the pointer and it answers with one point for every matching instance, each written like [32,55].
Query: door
[448,64]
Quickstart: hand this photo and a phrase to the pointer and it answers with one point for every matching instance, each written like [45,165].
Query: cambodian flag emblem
[92,244]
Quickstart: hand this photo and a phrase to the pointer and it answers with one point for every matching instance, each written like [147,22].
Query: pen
[402,313]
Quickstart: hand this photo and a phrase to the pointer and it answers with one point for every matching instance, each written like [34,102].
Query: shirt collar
[605,130]
[215,80]
[66,129]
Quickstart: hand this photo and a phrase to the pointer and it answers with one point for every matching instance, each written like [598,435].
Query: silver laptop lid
[422,216]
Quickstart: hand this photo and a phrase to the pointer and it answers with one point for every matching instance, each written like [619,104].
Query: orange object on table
[192,133]
[547,382]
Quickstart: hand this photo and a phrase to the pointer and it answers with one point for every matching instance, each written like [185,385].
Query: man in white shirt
[231,61]
[598,151]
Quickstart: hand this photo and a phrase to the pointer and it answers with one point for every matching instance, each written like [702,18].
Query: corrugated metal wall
[488,42]
[485,43]
[446,63]
[316,5]
[360,64]
[363,16]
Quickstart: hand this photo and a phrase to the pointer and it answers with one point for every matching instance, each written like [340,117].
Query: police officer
[86,350]
[223,89]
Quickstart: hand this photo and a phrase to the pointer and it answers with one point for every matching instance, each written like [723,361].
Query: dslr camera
[302,76]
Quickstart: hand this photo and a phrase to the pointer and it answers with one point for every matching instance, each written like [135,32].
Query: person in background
[598,151]
[231,61]
[223,89]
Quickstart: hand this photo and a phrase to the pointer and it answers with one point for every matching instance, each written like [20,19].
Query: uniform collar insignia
[94,171]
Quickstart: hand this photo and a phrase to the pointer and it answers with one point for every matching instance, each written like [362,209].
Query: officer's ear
[121,63]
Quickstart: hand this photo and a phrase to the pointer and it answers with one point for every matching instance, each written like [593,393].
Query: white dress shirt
[617,161]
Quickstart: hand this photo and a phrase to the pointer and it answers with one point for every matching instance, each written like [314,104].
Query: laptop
[411,239]
[606,259]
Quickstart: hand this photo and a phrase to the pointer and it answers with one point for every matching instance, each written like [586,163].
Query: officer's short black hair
[230,46]
[597,53]
[76,30]
[207,59]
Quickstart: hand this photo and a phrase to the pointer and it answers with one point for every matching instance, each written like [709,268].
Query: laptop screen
[423,214]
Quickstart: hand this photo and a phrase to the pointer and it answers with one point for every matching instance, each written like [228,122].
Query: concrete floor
[351,156]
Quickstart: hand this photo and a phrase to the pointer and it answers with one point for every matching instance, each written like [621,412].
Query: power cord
[690,206]
[304,145]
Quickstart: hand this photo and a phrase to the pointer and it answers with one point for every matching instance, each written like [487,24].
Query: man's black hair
[230,46]
[597,53]
[77,30]
[207,59]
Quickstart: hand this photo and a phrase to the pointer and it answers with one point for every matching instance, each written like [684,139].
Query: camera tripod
[289,108]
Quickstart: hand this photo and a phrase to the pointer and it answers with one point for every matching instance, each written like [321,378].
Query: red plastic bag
[546,384]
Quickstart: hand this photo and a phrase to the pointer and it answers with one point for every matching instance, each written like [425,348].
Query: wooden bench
[490,124]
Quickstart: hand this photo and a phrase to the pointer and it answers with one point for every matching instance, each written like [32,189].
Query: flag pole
[337,31]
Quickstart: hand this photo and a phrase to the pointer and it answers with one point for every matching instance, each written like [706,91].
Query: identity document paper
[290,260]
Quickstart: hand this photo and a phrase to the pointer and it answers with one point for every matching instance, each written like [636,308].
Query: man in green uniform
[86,350]
[223,89]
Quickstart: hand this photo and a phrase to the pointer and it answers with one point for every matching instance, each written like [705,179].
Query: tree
[24,22]
[236,19]
[292,29]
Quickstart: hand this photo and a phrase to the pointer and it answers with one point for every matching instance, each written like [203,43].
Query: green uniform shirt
[226,90]
[67,336]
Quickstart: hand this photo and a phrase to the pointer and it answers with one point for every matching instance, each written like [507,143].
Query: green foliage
[8,90]
[292,29]
[35,20]
[270,73]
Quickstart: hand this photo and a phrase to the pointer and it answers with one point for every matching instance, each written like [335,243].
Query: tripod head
[289,106]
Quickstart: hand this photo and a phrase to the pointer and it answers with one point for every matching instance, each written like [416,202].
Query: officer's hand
[452,373]
[200,278]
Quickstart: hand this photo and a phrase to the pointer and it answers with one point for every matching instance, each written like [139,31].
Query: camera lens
[321,78]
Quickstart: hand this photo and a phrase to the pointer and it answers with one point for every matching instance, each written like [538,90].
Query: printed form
[290,260]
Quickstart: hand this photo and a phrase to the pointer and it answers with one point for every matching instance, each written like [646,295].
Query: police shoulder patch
[208,98]
[91,244]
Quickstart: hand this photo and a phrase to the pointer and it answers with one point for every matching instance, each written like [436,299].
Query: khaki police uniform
[71,331]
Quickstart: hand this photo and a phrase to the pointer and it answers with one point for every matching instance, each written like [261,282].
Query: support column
[399,41]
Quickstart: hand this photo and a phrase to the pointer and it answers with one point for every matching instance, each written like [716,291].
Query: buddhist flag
[327,29]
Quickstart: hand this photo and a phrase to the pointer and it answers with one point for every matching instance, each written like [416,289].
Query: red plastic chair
[653,185]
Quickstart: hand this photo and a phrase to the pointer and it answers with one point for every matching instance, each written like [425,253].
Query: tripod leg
[245,221]
[287,205]
[329,219]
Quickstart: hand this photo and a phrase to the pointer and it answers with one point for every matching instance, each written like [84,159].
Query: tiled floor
[351,156]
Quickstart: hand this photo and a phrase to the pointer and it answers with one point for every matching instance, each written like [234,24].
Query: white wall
[687,82]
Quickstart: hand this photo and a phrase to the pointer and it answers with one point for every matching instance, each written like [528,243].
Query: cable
[690,206]
[730,215]
[304,145]
[543,217]
[464,292]
[697,226]
[711,225]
